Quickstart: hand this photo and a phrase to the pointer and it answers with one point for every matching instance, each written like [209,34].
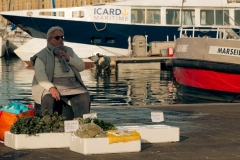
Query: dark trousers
[80,104]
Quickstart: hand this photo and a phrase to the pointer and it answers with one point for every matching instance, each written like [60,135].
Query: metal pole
[182,12]
[146,45]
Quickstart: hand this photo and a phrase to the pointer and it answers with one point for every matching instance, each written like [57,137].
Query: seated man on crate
[57,84]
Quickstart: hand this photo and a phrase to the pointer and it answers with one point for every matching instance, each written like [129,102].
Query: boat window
[138,15]
[96,40]
[77,14]
[173,16]
[110,40]
[237,17]
[188,17]
[56,14]
[153,16]
[207,17]
[222,17]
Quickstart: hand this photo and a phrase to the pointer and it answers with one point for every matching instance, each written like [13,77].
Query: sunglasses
[58,37]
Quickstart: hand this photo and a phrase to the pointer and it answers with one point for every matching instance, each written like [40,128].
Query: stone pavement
[207,131]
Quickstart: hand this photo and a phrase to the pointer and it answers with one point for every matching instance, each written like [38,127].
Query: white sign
[228,51]
[157,116]
[71,126]
[111,14]
[90,115]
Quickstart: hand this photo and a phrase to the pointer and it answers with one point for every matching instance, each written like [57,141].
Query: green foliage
[103,124]
[34,125]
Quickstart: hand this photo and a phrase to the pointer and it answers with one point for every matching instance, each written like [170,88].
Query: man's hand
[55,93]
[64,54]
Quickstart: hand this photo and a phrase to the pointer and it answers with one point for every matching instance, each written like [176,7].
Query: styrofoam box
[41,140]
[101,145]
[155,133]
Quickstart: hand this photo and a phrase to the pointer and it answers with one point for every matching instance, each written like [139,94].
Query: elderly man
[57,78]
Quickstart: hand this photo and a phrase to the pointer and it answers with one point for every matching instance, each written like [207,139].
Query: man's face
[56,38]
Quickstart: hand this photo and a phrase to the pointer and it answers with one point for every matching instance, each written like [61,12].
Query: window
[153,16]
[207,17]
[96,40]
[138,16]
[237,17]
[173,16]
[56,14]
[110,40]
[77,14]
[188,17]
[217,17]
[222,17]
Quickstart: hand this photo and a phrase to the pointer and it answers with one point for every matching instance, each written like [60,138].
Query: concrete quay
[207,131]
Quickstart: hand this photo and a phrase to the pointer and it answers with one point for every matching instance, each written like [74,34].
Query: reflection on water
[123,89]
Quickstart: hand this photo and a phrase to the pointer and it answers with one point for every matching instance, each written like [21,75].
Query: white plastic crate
[101,145]
[155,133]
[39,141]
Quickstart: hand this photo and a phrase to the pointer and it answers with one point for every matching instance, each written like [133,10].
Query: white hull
[33,46]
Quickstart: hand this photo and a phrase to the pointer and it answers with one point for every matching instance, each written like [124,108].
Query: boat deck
[141,63]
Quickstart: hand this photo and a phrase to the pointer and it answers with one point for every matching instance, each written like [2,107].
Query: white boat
[105,28]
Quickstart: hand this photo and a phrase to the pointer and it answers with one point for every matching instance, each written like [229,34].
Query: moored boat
[208,68]
[105,28]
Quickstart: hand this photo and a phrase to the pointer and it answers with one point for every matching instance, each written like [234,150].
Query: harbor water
[122,99]
[121,89]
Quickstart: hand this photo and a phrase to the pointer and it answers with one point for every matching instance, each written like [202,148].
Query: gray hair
[49,33]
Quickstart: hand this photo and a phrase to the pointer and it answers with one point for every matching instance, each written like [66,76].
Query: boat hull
[85,32]
[33,46]
[207,84]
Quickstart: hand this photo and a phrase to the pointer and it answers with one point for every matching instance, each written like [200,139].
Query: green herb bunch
[28,125]
[33,125]
[54,123]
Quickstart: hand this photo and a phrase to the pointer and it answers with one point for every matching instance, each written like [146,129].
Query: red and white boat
[208,68]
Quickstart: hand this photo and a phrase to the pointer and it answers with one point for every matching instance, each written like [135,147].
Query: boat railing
[222,32]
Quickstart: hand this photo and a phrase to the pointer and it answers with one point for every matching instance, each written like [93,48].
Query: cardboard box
[39,141]
[101,145]
[155,133]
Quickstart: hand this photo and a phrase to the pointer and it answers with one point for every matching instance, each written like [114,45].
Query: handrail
[217,29]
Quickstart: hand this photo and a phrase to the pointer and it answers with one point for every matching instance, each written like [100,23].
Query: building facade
[9,5]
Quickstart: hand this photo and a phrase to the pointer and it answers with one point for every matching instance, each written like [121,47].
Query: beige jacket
[47,57]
